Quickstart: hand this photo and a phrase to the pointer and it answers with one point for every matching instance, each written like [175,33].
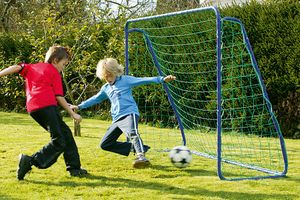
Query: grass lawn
[112,176]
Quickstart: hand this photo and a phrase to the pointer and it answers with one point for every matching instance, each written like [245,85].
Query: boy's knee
[104,145]
[132,134]
[60,144]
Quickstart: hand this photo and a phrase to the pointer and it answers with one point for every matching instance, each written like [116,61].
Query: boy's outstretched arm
[62,101]
[169,78]
[10,70]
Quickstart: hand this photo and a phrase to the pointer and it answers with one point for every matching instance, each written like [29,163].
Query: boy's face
[110,78]
[60,65]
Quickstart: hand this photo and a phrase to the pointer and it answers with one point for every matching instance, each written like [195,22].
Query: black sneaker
[24,166]
[146,148]
[78,172]
[141,162]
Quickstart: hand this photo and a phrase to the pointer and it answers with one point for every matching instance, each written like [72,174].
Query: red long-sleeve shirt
[42,84]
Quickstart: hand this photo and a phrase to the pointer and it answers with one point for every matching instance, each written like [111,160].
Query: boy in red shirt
[44,91]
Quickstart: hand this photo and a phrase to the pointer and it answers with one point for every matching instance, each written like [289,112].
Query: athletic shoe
[141,162]
[24,166]
[146,148]
[78,172]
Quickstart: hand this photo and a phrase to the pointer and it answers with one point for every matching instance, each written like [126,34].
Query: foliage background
[93,30]
[273,29]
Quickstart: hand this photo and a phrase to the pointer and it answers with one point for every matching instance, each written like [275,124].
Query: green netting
[249,135]
[185,44]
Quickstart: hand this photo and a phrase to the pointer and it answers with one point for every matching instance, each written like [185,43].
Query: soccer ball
[180,156]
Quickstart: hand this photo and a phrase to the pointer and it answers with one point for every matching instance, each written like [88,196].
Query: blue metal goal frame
[219,21]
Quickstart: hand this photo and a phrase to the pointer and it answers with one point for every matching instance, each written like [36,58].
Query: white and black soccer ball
[180,156]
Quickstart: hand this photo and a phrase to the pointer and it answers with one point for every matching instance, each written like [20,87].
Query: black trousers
[62,140]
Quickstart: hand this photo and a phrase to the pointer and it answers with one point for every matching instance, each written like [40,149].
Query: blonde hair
[57,53]
[109,65]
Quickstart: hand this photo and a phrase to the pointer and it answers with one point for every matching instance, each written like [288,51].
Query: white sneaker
[141,162]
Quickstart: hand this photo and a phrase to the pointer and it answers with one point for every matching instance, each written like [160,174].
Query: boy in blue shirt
[124,110]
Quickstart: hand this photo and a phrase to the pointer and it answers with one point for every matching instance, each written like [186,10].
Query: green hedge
[273,30]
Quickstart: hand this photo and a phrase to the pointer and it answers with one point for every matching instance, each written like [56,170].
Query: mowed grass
[112,176]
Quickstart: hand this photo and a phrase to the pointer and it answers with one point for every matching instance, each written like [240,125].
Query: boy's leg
[71,155]
[48,118]
[109,141]
[129,125]
[61,141]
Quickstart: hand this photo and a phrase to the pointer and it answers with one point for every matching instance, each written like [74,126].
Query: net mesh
[184,45]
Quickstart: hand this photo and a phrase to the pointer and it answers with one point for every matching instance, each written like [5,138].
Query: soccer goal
[218,105]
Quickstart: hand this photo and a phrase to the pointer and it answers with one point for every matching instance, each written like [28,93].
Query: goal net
[218,105]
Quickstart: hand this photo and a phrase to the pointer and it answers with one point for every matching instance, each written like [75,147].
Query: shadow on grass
[115,182]
[290,178]
[89,136]
[201,172]
[2,196]
[191,172]
[13,119]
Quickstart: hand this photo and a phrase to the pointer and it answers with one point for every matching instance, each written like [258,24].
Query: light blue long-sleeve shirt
[120,95]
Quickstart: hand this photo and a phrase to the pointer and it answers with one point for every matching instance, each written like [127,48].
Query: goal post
[218,105]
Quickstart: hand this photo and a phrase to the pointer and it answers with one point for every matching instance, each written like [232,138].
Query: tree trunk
[76,128]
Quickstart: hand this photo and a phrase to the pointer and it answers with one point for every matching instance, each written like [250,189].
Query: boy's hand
[77,117]
[169,78]
[73,107]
